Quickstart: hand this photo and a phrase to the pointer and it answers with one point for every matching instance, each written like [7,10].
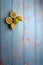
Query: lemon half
[12,26]
[13,14]
[8,20]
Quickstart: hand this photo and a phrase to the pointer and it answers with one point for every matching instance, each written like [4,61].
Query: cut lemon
[8,20]
[13,14]
[19,18]
[12,26]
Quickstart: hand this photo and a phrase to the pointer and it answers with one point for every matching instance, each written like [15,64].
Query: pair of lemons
[13,19]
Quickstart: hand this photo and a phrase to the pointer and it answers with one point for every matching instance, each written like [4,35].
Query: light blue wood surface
[24,44]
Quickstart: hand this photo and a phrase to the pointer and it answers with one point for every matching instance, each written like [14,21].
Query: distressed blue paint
[11,41]
[6,34]
[0,29]
[17,35]
[39,35]
[29,46]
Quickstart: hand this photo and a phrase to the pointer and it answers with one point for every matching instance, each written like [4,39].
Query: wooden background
[24,45]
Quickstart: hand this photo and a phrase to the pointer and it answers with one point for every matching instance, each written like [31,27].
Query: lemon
[8,20]
[13,14]
[19,18]
[16,20]
[12,26]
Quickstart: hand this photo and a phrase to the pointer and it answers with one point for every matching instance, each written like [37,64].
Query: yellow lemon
[19,18]
[13,14]
[16,20]
[8,20]
[12,26]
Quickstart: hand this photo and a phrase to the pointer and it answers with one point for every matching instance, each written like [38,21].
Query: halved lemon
[12,26]
[13,14]
[19,18]
[8,20]
[16,20]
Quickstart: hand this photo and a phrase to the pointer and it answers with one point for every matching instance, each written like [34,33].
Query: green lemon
[16,20]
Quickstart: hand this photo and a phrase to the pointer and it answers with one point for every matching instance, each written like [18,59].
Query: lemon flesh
[12,26]
[13,14]
[8,20]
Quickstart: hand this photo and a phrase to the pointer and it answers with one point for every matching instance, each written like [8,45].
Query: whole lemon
[19,18]
[16,20]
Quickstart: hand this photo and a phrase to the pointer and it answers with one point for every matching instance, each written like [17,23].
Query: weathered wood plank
[6,33]
[18,34]
[39,32]
[29,32]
